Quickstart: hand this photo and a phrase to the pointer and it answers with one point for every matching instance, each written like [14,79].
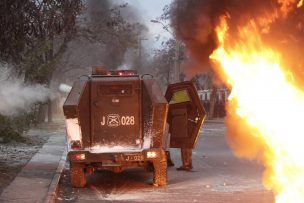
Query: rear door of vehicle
[186,114]
[115,112]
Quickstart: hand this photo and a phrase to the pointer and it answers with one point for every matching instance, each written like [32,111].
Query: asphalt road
[217,176]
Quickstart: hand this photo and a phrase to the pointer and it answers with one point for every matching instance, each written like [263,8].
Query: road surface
[217,176]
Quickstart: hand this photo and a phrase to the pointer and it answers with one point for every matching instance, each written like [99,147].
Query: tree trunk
[50,57]
[42,113]
[50,115]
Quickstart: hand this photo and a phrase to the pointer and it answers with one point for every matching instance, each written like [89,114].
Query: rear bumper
[83,156]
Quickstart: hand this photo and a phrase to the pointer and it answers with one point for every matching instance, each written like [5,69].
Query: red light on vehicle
[121,73]
[79,156]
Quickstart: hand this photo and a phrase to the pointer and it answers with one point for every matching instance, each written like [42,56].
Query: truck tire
[78,178]
[160,169]
[160,173]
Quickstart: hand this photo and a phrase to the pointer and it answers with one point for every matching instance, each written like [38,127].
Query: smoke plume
[194,23]
[64,88]
[17,97]
[279,24]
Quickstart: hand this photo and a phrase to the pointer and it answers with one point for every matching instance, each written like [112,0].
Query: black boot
[184,168]
[186,160]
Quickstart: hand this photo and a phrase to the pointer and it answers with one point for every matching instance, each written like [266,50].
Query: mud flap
[78,178]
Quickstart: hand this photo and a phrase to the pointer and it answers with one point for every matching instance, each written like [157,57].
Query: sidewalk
[35,182]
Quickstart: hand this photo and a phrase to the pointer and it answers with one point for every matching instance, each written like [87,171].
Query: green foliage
[33,37]
[36,68]
[12,128]
[28,30]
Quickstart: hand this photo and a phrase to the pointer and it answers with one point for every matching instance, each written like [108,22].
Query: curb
[53,188]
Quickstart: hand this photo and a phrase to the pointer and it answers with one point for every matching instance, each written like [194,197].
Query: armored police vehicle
[118,119]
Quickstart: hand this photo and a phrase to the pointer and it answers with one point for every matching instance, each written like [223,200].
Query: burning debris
[255,47]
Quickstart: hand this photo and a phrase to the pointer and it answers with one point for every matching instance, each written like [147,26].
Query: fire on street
[217,176]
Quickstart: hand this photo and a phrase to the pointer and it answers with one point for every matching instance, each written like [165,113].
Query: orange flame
[269,104]
[300,4]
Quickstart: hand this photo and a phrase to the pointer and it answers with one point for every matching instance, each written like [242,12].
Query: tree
[29,29]
[107,25]
[34,35]
[163,62]
[105,35]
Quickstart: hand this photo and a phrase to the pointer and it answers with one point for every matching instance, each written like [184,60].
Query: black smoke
[281,24]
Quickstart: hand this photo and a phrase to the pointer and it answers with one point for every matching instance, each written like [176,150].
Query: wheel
[78,178]
[160,170]
[160,173]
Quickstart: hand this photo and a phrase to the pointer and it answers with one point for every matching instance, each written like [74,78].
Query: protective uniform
[186,159]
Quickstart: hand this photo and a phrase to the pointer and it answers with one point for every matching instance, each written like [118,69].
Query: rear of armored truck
[115,120]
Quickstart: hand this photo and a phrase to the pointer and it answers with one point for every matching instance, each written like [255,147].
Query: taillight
[79,157]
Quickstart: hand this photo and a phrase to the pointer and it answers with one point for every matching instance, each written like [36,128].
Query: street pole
[177,62]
